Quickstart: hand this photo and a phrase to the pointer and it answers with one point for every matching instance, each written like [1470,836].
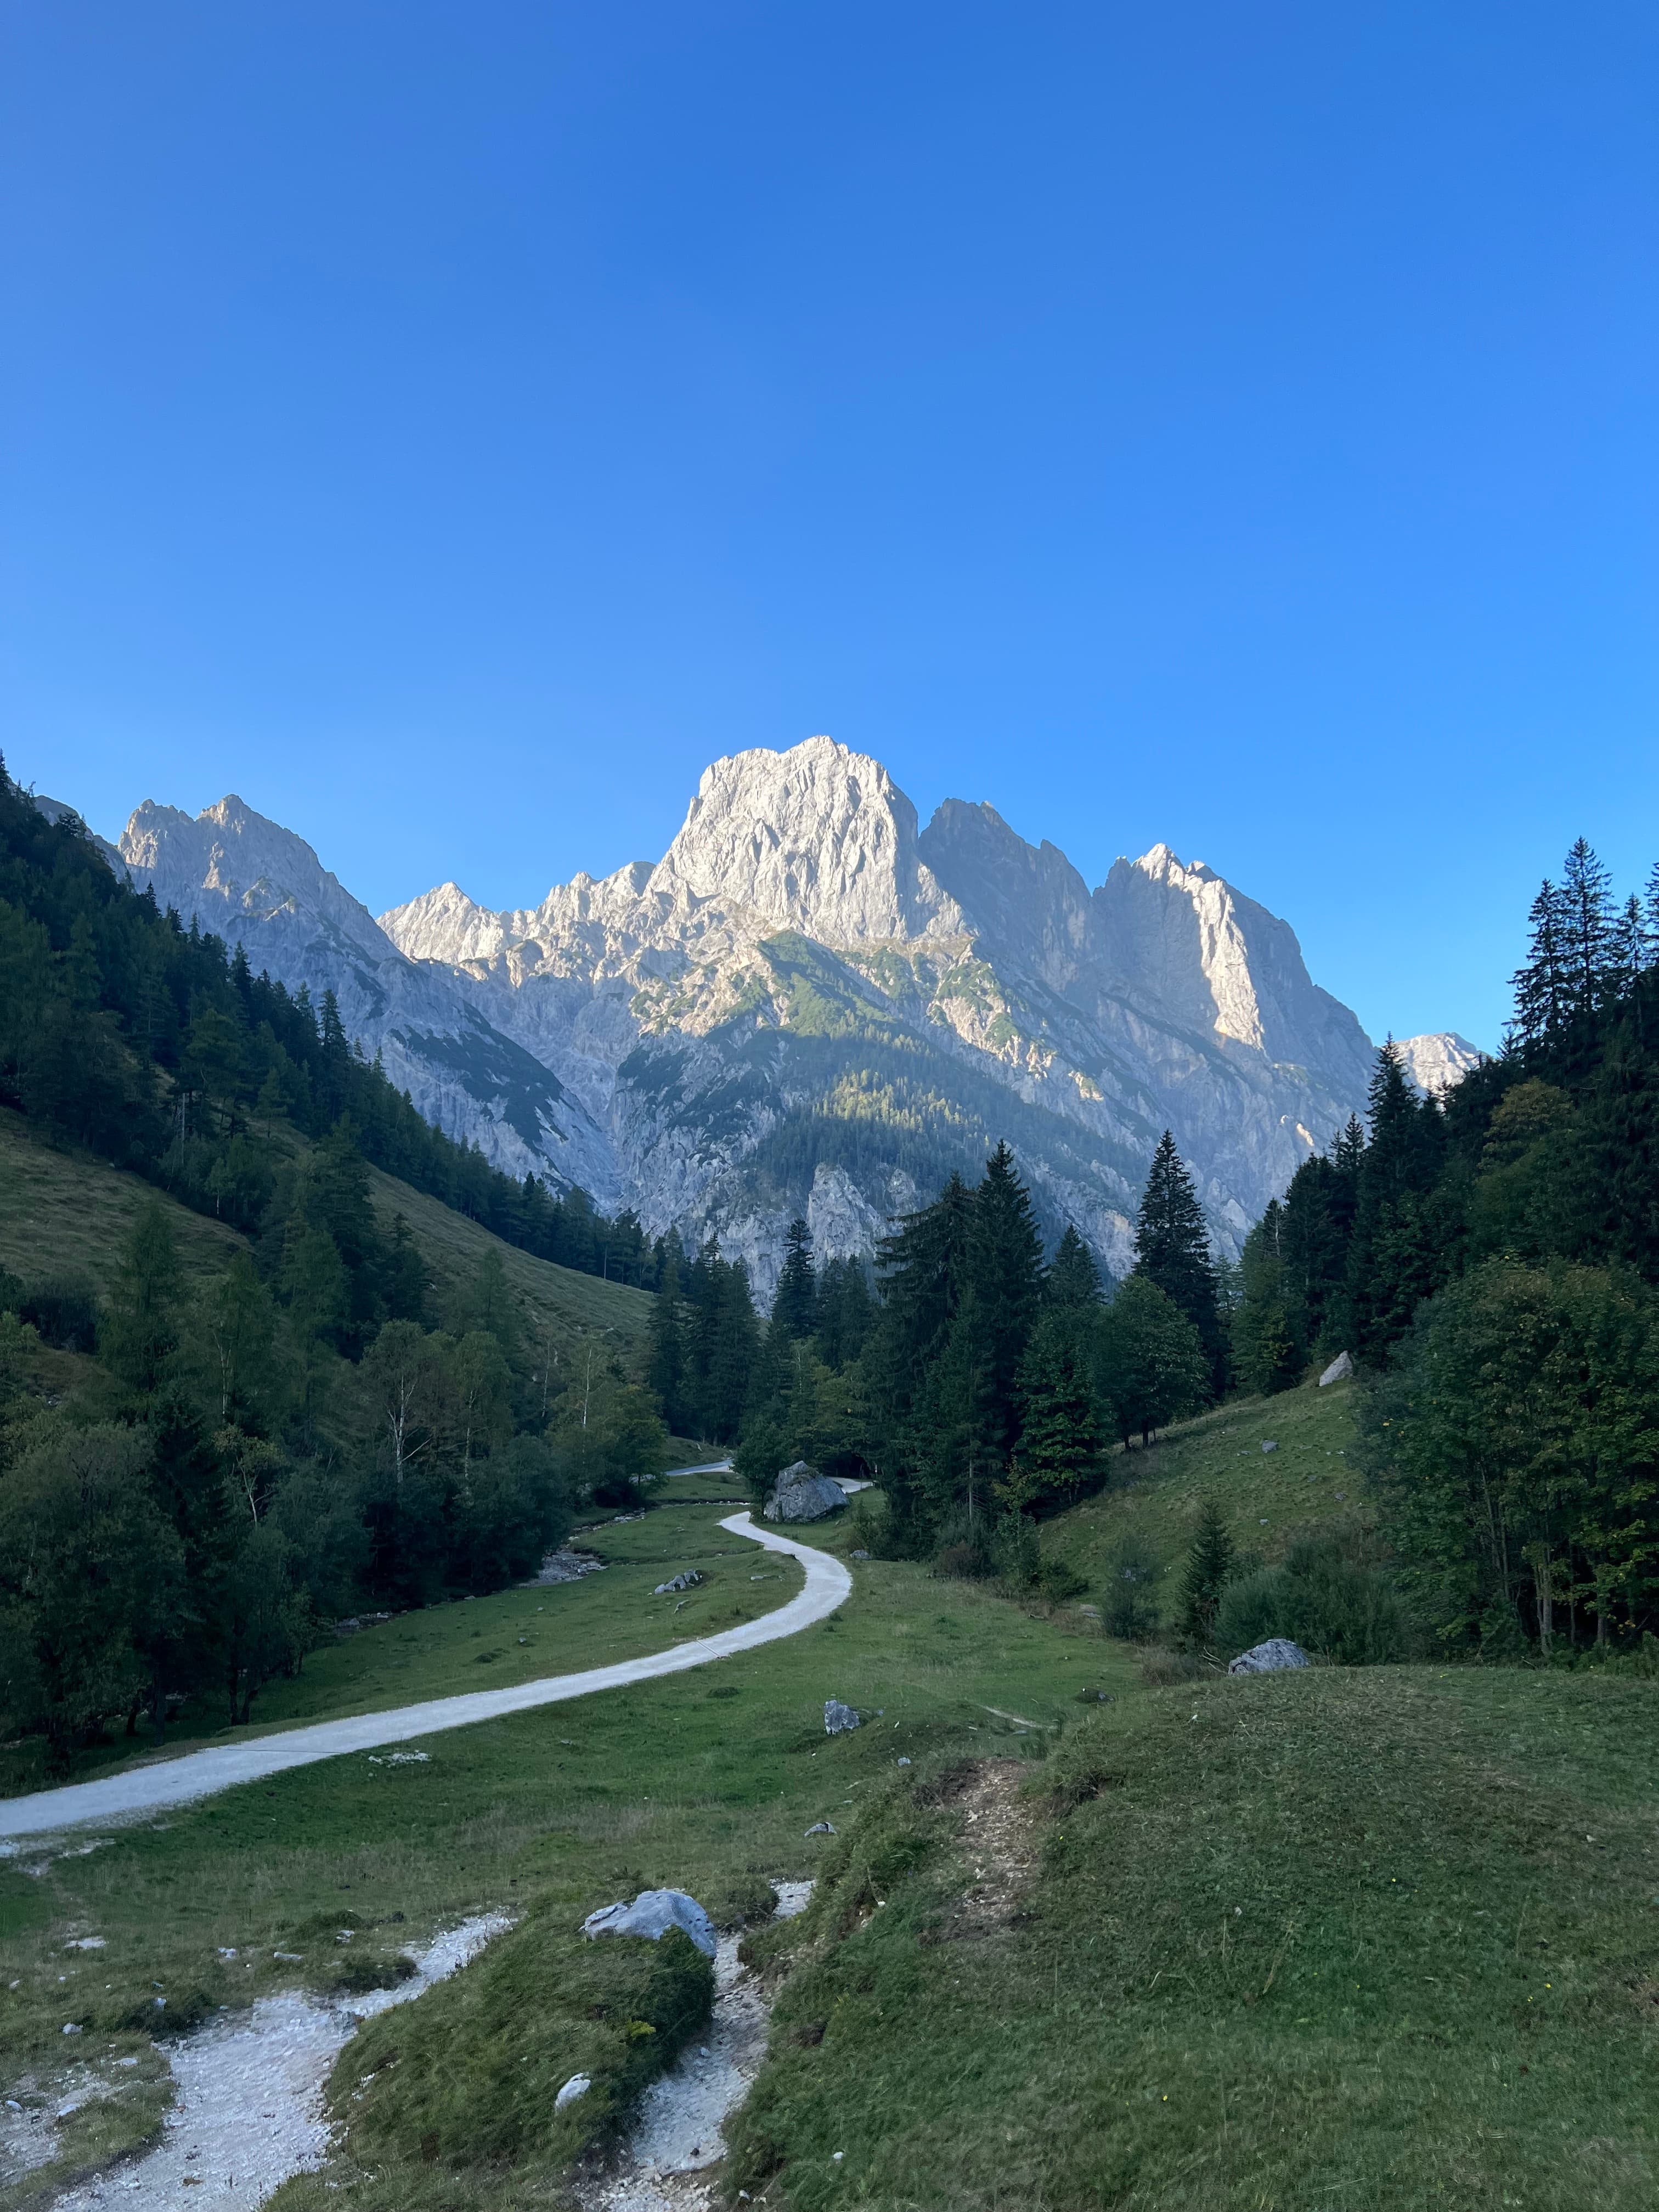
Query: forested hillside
[148,1043]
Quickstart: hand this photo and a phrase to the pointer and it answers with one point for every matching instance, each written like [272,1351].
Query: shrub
[63,1310]
[1329,1603]
[1130,1608]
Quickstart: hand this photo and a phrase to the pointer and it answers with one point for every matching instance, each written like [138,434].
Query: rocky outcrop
[1434,1063]
[1275,1656]
[651,1915]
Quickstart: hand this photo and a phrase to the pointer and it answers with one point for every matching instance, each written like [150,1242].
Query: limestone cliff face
[255,883]
[1436,1062]
[809,1005]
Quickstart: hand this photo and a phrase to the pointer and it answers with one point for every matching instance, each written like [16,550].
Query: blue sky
[451,426]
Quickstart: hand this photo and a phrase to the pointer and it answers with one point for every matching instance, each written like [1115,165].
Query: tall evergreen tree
[794,1309]
[1005,1290]
[1172,1249]
[1073,1279]
[665,1370]
[1061,1442]
[1587,916]
[1540,986]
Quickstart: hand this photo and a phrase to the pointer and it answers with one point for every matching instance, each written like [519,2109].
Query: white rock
[577,2085]
[1338,1371]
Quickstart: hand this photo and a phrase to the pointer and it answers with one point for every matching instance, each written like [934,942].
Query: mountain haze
[812,1005]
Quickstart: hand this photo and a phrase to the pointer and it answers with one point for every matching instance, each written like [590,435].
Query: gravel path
[250,2104]
[200,1773]
[677,2137]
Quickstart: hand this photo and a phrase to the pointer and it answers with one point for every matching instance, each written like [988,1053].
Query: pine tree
[794,1309]
[1540,986]
[1172,1249]
[1589,927]
[1073,1279]
[1209,1564]
[1060,1440]
[1004,1288]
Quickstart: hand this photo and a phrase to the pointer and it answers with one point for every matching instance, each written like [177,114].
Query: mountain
[254,883]
[1434,1063]
[812,1005]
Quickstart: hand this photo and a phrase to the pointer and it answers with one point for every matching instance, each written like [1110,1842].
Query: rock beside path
[652,1914]
[1272,1657]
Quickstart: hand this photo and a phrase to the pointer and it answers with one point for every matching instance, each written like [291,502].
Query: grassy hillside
[1268,1497]
[1337,1939]
[67,1213]
[570,1305]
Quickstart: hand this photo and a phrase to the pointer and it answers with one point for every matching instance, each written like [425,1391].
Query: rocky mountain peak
[1436,1062]
[1026,898]
[818,838]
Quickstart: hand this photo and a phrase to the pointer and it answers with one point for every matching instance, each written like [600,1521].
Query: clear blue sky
[451,425]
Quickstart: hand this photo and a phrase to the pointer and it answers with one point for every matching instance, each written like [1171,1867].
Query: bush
[1332,1605]
[1130,1608]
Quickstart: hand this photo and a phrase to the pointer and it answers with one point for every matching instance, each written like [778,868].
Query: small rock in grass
[689,1580]
[71,2028]
[1272,1657]
[860,1555]
[818,1828]
[577,2085]
[1270,1447]
[652,1914]
[838,1717]
[904,1762]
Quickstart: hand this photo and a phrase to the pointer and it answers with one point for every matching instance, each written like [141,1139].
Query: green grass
[66,1213]
[1310,1942]
[1304,1943]
[556,1300]
[705,1781]
[487,1643]
[1268,1497]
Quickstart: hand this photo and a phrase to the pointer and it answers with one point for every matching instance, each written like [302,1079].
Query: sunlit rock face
[810,1006]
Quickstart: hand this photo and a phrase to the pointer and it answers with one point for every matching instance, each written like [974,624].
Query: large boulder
[802,1494]
[652,1914]
[1338,1371]
[1272,1657]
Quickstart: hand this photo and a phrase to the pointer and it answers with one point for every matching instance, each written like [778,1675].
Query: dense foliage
[1490,1259]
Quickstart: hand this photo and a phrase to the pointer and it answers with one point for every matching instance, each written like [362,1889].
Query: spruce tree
[1209,1564]
[1541,985]
[1060,1440]
[1587,912]
[1005,1282]
[1073,1279]
[794,1308]
[1172,1249]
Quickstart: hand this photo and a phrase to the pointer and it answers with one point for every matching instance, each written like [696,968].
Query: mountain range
[811,1004]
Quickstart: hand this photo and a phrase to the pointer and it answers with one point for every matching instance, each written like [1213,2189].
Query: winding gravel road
[200,1773]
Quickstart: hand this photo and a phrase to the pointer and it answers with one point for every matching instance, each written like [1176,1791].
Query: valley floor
[1290,1944]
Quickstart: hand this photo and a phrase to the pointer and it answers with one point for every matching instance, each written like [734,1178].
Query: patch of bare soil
[999,1840]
